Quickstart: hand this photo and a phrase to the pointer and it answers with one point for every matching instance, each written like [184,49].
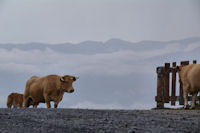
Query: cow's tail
[27,98]
[26,94]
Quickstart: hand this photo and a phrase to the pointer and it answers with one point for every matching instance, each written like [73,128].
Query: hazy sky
[123,78]
[58,21]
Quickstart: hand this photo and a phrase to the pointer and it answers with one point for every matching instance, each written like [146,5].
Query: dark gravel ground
[98,121]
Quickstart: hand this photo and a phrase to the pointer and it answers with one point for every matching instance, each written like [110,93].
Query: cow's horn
[62,79]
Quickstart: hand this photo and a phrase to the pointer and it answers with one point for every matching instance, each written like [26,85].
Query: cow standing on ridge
[48,88]
[189,75]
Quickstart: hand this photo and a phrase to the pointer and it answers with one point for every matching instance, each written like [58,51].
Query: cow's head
[66,83]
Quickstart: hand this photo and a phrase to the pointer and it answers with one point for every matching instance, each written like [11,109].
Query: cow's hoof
[186,107]
[192,107]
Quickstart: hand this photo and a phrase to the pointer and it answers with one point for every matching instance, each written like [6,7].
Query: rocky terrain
[98,121]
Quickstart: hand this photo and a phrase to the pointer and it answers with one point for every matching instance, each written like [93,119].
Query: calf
[15,100]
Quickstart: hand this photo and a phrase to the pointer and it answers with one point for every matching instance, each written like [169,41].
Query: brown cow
[15,100]
[47,88]
[189,75]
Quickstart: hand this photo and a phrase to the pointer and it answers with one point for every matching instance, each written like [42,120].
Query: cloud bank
[124,78]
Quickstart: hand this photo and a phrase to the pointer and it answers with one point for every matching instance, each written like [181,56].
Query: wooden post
[160,87]
[173,92]
[166,83]
[181,100]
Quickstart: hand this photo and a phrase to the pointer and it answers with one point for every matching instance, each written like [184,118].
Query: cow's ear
[62,79]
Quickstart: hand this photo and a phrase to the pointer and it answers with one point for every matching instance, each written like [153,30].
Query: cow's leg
[47,100]
[194,96]
[25,102]
[35,105]
[185,96]
[55,104]
[9,102]
[9,105]
[48,104]
[20,106]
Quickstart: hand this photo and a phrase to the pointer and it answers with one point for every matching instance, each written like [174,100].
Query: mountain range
[95,47]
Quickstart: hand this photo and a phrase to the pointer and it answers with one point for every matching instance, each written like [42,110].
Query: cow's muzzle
[75,78]
[71,91]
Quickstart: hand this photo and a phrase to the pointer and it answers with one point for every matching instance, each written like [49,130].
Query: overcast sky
[58,21]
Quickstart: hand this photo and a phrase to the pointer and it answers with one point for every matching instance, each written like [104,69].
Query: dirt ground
[98,121]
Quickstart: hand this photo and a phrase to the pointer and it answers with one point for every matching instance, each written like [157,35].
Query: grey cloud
[124,60]
[46,59]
